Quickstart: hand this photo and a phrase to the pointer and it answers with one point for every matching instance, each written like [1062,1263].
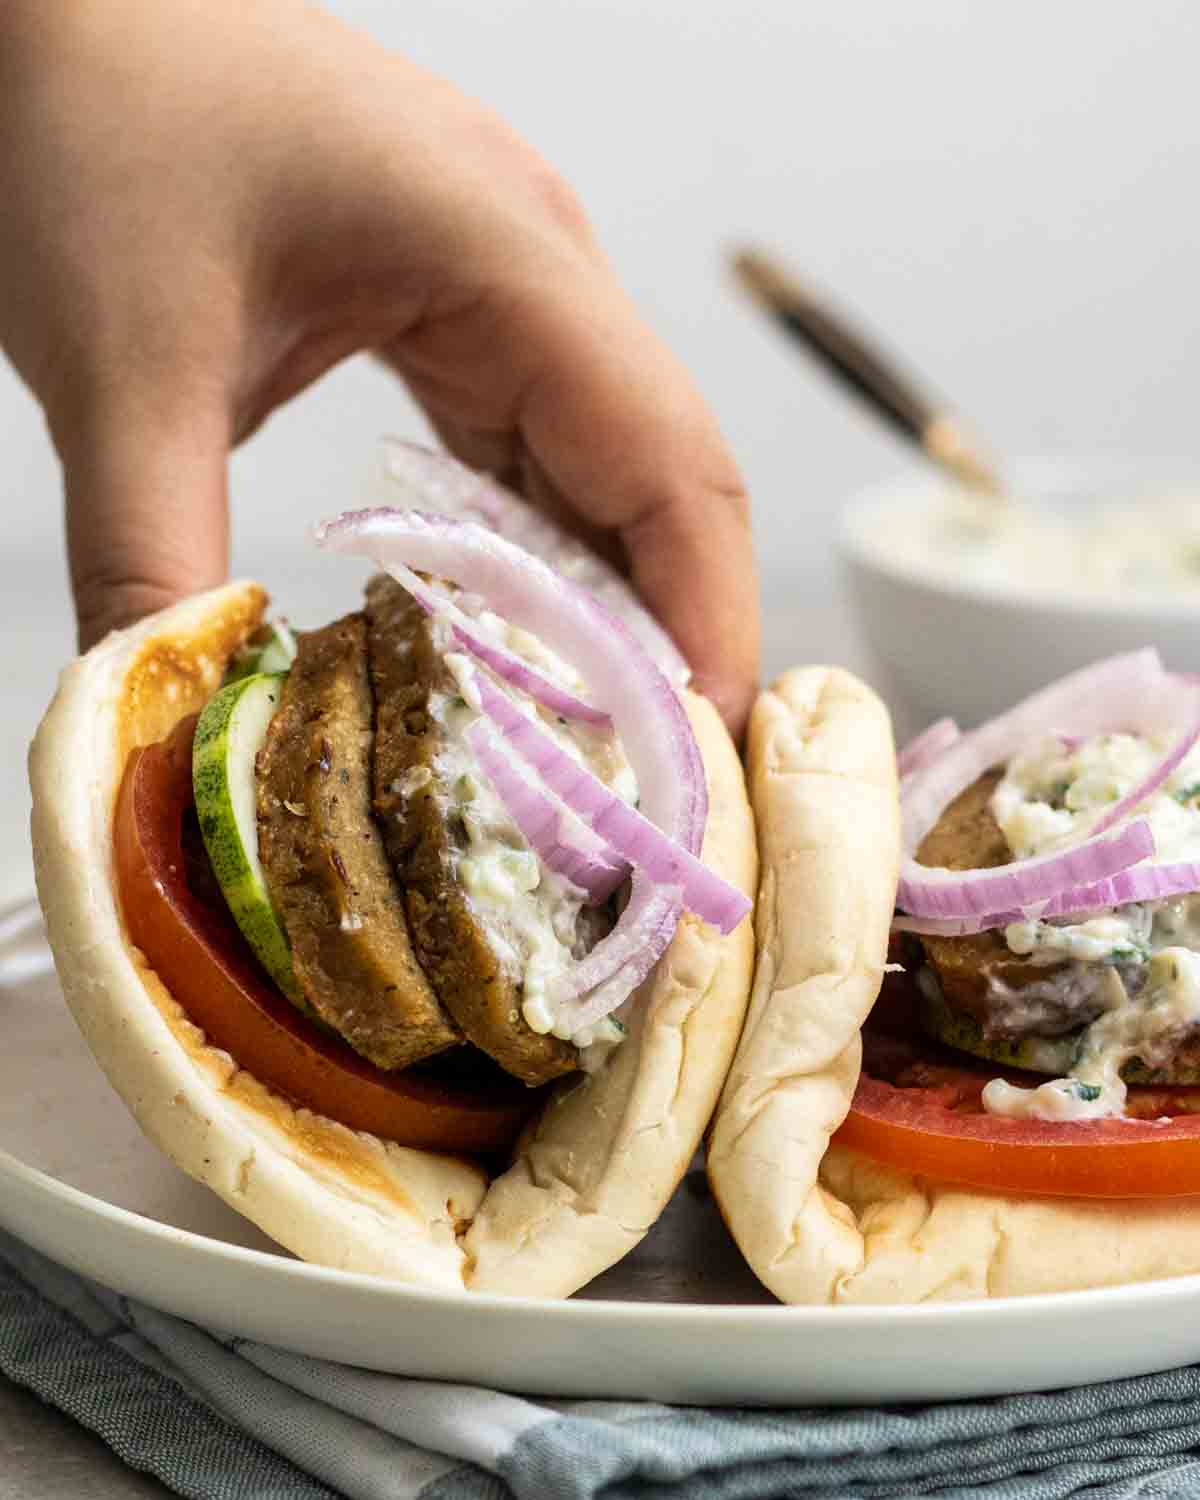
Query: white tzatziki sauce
[536,921]
[1147,953]
[1146,546]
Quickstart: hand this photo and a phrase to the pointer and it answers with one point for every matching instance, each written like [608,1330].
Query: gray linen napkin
[222,1418]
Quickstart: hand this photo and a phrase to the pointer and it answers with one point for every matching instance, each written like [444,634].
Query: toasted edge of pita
[331,1195]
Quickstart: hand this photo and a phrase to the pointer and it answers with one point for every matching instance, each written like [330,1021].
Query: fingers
[618,428]
[612,424]
[693,563]
[147,519]
[614,418]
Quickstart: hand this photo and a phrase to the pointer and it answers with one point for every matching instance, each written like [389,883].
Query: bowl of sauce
[968,604]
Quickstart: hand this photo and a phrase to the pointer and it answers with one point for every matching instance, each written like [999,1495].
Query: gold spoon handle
[865,371]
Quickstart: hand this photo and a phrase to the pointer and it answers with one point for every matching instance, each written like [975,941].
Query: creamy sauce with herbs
[1148,984]
[1051,796]
[1143,547]
[536,921]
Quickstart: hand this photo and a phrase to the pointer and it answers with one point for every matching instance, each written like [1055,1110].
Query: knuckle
[712,487]
[109,598]
[559,202]
[733,495]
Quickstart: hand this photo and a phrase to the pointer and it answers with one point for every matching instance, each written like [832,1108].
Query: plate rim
[587,1311]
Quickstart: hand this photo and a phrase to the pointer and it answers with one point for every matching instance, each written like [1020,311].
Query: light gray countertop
[46,1456]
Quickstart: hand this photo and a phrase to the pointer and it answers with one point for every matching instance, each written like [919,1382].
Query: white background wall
[1007,191]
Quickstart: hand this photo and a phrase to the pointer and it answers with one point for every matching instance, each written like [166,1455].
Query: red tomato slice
[197,950]
[929,1120]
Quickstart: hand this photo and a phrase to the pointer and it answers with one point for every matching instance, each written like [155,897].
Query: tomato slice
[196,948]
[925,1116]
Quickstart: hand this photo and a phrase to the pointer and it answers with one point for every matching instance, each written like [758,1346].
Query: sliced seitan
[325,864]
[967,837]
[424,840]
[997,1003]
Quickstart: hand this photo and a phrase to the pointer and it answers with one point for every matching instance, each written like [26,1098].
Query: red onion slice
[1144,883]
[503,662]
[622,827]
[435,481]
[1149,784]
[928,892]
[646,711]
[1141,883]
[1147,882]
[1131,691]
[572,852]
[610,973]
[927,746]
[951,927]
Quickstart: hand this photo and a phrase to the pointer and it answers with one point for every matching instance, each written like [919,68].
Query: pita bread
[822,1225]
[589,1178]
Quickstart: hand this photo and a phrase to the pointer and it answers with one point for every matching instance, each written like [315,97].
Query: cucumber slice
[229,735]
[271,649]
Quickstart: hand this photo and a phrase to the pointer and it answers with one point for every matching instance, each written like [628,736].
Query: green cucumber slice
[271,649]
[229,735]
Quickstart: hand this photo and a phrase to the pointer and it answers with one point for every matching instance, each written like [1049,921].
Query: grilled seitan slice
[325,864]
[967,837]
[1039,1031]
[424,840]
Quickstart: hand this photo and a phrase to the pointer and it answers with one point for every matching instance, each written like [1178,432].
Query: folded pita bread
[590,1176]
[825,1224]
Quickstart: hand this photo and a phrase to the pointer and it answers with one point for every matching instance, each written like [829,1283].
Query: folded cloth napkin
[222,1418]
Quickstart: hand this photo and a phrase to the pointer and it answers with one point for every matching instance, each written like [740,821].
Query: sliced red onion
[554,834]
[1146,882]
[646,711]
[952,927]
[1141,883]
[1132,692]
[927,746]
[1149,784]
[597,986]
[503,662]
[928,892]
[435,481]
[622,827]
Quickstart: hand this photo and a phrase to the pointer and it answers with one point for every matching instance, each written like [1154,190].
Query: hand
[207,204]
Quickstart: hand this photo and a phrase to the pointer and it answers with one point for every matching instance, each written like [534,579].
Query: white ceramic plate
[676,1321]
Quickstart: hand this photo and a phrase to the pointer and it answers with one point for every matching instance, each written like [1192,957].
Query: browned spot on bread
[173,676]
[326,1142]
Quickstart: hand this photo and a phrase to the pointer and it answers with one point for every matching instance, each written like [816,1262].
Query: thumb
[146,509]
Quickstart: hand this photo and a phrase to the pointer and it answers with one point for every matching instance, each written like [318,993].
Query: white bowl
[971,648]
